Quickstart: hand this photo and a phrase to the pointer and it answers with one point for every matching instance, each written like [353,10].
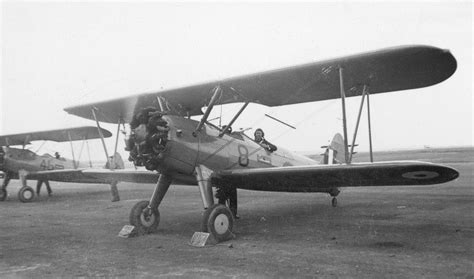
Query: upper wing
[319,177]
[59,135]
[95,176]
[386,70]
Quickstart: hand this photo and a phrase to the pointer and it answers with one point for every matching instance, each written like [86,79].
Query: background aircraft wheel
[218,221]
[144,219]
[334,202]
[3,194]
[26,194]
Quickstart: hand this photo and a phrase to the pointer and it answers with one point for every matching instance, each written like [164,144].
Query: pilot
[40,183]
[259,138]
[56,155]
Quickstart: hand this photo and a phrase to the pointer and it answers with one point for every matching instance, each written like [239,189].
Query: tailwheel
[218,221]
[144,219]
[26,194]
[3,194]
[334,202]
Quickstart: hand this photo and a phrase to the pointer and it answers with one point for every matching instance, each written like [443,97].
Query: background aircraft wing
[312,178]
[58,135]
[134,176]
[73,175]
[392,69]
[95,176]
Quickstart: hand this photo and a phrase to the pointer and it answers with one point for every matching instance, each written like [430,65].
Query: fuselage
[185,150]
[14,159]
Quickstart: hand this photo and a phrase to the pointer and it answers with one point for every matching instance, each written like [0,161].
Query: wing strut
[72,150]
[364,92]
[116,142]
[27,139]
[344,124]
[233,119]
[89,153]
[80,151]
[100,134]
[370,130]
[217,92]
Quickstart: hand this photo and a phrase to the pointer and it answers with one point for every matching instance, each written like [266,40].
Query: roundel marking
[420,174]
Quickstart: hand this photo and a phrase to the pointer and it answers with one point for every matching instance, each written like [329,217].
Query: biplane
[24,164]
[166,140]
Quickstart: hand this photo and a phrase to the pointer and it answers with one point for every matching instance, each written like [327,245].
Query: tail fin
[117,162]
[335,152]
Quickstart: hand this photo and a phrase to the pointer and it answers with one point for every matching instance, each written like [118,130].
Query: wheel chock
[201,239]
[128,231]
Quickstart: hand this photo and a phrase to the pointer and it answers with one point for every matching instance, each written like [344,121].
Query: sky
[60,54]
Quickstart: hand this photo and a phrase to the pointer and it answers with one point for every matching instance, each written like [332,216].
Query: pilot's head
[258,134]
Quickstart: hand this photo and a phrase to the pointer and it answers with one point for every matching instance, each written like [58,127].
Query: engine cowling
[148,138]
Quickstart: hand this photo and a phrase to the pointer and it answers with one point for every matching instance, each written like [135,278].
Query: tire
[334,202]
[26,194]
[3,194]
[218,221]
[144,222]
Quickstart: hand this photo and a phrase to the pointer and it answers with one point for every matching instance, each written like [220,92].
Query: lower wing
[95,176]
[321,178]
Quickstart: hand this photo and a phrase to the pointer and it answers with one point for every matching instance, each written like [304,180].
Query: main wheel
[334,202]
[3,194]
[218,221]
[144,219]
[26,194]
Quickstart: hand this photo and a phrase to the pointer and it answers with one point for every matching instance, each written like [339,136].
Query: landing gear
[144,218]
[26,194]
[145,215]
[228,197]
[218,221]
[3,194]
[334,192]
[3,189]
[114,191]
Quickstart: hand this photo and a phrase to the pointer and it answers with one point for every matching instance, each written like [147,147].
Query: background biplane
[25,164]
[165,139]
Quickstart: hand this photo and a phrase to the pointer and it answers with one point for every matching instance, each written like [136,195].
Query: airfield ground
[397,232]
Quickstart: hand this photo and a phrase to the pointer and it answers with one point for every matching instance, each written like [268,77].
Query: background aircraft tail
[335,151]
[117,162]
